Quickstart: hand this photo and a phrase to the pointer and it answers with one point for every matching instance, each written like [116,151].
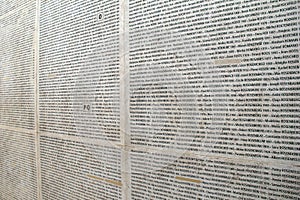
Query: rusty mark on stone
[113,182]
[181,178]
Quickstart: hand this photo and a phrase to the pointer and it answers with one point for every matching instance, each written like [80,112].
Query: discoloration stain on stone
[227,61]
[181,178]
[113,182]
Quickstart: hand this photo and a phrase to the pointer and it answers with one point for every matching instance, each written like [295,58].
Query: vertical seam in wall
[36,88]
[124,101]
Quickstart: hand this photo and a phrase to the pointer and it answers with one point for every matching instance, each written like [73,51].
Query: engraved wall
[18,174]
[79,100]
[214,99]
